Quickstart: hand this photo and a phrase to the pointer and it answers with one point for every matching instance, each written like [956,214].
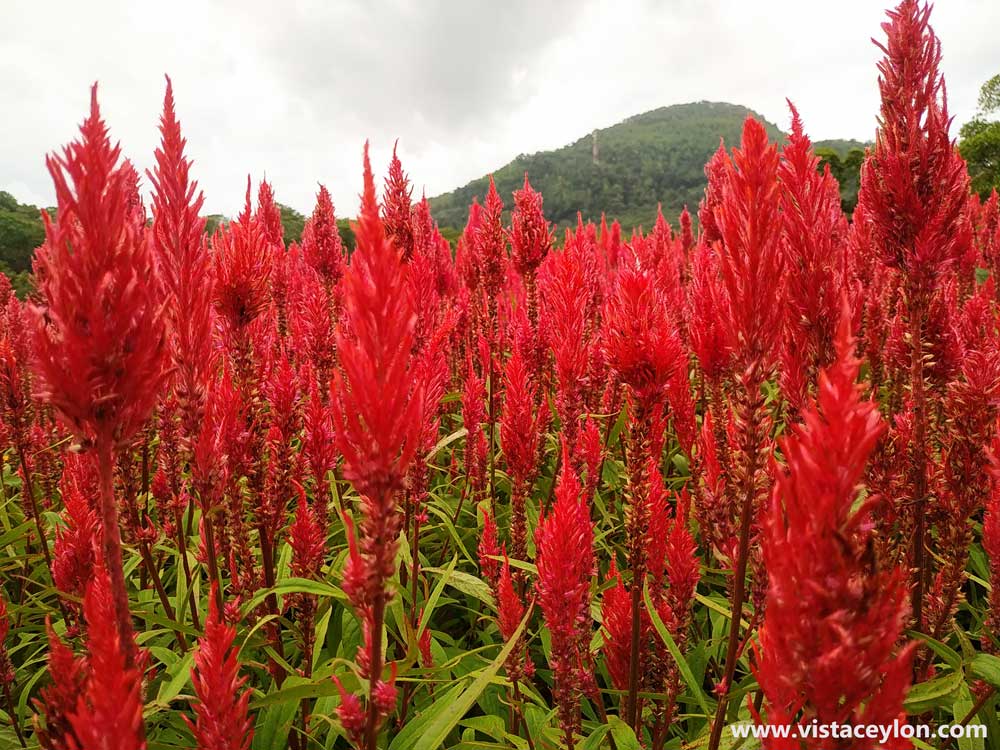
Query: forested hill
[624,170]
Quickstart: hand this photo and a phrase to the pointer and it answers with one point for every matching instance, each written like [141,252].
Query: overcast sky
[291,90]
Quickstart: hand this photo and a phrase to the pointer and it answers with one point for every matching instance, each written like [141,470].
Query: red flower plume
[833,618]
[221,718]
[101,335]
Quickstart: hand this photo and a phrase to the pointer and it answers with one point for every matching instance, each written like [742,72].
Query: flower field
[594,487]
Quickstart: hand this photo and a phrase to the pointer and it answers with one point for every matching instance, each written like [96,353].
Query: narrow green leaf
[932,694]
[675,652]
[438,729]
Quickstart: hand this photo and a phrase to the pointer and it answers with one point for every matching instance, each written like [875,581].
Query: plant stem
[213,564]
[111,544]
[740,574]
[374,669]
[154,575]
[182,548]
[13,716]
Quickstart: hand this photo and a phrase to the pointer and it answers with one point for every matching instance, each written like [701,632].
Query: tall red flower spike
[748,218]
[814,242]
[322,247]
[521,428]
[564,539]
[222,721]
[111,702]
[178,238]
[101,341]
[530,238]
[101,336]
[913,197]
[397,211]
[834,618]
[378,420]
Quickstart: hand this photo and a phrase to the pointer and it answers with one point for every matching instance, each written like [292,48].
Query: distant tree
[847,171]
[979,141]
[21,231]
[293,223]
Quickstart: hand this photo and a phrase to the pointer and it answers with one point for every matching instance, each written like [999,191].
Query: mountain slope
[623,170]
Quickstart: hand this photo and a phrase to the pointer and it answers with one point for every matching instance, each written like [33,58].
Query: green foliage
[292,222]
[846,168]
[21,231]
[979,140]
[980,147]
[656,157]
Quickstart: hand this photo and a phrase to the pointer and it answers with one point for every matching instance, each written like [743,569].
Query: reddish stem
[111,544]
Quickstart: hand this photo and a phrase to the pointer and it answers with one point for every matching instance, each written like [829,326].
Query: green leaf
[431,602]
[960,709]
[295,586]
[986,667]
[932,694]
[950,656]
[624,737]
[181,674]
[595,738]
[295,693]
[441,725]
[467,584]
[415,727]
[693,685]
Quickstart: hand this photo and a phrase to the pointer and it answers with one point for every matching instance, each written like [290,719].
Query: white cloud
[292,90]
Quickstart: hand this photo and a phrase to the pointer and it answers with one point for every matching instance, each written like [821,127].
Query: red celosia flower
[222,721]
[749,225]
[530,238]
[715,170]
[564,539]
[991,541]
[350,713]
[814,230]
[521,428]
[6,668]
[706,304]
[322,247]
[566,326]
[319,444]
[397,210]
[829,643]
[687,233]
[914,184]
[269,215]
[379,421]
[110,704]
[466,260]
[100,340]
[312,322]
[473,416]
[241,264]
[510,608]
[307,540]
[178,238]
[58,700]
[640,343]
[616,620]
[490,245]
[76,547]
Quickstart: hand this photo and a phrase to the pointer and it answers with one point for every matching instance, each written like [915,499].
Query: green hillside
[624,170]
